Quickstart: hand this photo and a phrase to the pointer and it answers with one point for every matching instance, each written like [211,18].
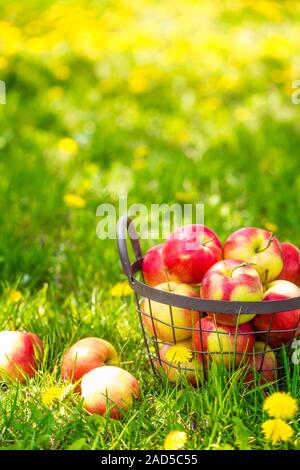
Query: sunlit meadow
[161,101]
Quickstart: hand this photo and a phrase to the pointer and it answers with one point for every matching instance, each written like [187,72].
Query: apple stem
[242,265]
[168,281]
[205,242]
[266,278]
[268,244]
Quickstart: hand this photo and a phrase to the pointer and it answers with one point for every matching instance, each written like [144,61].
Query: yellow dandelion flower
[15,296]
[62,72]
[271,227]
[138,81]
[141,151]
[3,63]
[175,440]
[178,353]
[74,201]
[184,196]
[276,430]
[55,393]
[51,395]
[280,405]
[68,145]
[55,93]
[121,289]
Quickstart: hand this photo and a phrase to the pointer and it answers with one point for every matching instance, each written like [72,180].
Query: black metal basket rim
[182,301]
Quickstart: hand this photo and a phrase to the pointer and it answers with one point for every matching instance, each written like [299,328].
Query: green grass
[218,126]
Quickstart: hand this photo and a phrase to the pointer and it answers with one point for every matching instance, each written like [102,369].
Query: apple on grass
[262,364]
[233,281]
[158,316]
[153,267]
[291,263]
[222,343]
[176,361]
[85,355]
[258,247]
[190,251]
[109,390]
[287,322]
[20,353]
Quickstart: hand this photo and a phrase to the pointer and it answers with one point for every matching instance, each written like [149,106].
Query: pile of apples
[252,265]
[105,388]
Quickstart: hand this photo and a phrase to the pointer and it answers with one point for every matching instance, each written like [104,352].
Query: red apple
[85,355]
[257,246]
[177,361]
[159,316]
[285,321]
[232,280]
[190,251]
[262,363]
[18,354]
[153,267]
[109,389]
[222,343]
[291,263]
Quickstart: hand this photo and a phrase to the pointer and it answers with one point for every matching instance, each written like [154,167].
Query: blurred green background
[165,101]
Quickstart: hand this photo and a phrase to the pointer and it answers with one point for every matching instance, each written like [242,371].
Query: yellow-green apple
[20,353]
[158,316]
[85,355]
[176,361]
[190,251]
[153,267]
[287,322]
[222,343]
[232,280]
[110,390]
[256,246]
[262,363]
[291,263]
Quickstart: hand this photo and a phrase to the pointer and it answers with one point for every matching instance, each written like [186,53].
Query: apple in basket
[291,263]
[233,281]
[288,323]
[85,355]
[256,246]
[190,251]
[153,267]
[222,343]
[20,353]
[170,324]
[262,364]
[176,361]
[109,390]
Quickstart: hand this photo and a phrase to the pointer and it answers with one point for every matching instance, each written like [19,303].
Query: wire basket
[150,324]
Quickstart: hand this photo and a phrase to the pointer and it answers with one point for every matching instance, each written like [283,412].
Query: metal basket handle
[126,227]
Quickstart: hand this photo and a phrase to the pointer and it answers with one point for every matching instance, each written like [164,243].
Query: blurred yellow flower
[74,201]
[175,440]
[121,289]
[242,114]
[51,395]
[62,72]
[141,151]
[138,81]
[276,430]
[3,63]
[271,227]
[178,353]
[68,145]
[55,93]
[15,296]
[280,405]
